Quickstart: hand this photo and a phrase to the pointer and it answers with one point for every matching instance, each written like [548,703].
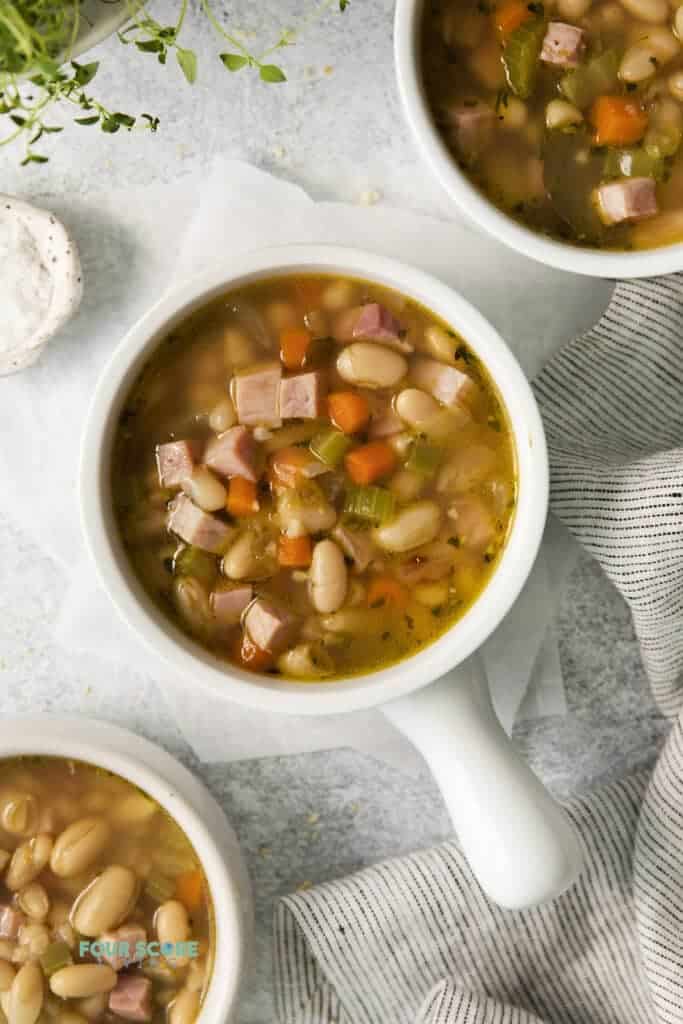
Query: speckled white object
[59,257]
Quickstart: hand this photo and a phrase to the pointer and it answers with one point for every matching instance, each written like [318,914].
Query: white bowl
[188,802]
[474,204]
[520,843]
[268,692]
[99,19]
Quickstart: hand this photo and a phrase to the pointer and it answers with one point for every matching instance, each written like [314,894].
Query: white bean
[248,559]
[26,995]
[223,416]
[133,809]
[105,902]
[173,926]
[184,1009]
[79,846]
[371,365]
[93,1007]
[328,577]
[35,938]
[34,901]
[6,976]
[561,114]
[678,23]
[205,489]
[440,343]
[19,814]
[572,10]
[6,949]
[337,295]
[192,602]
[648,10]
[28,860]
[675,84]
[645,57]
[415,406]
[306,661]
[280,314]
[665,129]
[79,981]
[414,525]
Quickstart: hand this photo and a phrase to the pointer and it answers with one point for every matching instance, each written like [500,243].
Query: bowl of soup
[557,127]
[314,480]
[123,895]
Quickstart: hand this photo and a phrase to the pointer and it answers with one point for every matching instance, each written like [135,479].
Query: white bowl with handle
[520,843]
[474,204]
[188,802]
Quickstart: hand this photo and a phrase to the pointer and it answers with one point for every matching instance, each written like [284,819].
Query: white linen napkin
[415,941]
[133,244]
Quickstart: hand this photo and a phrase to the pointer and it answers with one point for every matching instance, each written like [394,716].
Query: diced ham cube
[357,544]
[176,460]
[472,125]
[233,453]
[269,627]
[124,938]
[256,396]
[448,384]
[198,528]
[474,522]
[629,199]
[563,45]
[386,424]
[377,323]
[10,922]
[303,396]
[132,998]
[229,603]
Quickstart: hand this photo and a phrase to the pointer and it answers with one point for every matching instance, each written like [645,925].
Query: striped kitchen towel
[415,941]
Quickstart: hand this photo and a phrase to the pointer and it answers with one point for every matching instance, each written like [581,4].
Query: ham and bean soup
[314,477]
[567,114]
[105,914]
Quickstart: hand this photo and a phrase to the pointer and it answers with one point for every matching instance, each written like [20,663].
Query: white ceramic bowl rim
[593,262]
[196,666]
[177,791]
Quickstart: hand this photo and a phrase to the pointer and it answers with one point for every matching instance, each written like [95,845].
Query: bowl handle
[519,842]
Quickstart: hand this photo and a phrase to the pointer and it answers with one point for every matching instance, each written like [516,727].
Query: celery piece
[373,504]
[584,84]
[56,956]
[330,447]
[190,561]
[424,458]
[634,163]
[521,56]
[159,888]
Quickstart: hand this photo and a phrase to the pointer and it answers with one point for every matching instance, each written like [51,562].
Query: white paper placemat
[166,233]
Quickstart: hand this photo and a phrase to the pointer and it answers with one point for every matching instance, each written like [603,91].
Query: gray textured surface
[336,134]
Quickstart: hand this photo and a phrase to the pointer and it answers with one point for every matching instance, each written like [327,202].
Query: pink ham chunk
[269,627]
[176,460]
[132,998]
[630,199]
[198,528]
[377,323]
[228,604]
[233,453]
[356,544]
[256,396]
[563,45]
[474,522]
[448,384]
[303,396]
[10,922]
[472,126]
[124,938]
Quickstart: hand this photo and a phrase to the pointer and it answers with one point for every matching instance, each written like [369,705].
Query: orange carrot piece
[385,590]
[348,411]
[189,888]
[618,120]
[509,16]
[288,465]
[242,497]
[294,552]
[370,462]
[294,342]
[248,655]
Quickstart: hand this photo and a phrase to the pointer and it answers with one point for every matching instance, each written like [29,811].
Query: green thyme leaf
[84,73]
[234,61]
[272,73]
[188,63]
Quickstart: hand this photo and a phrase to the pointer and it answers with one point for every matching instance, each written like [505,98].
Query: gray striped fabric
[415,941]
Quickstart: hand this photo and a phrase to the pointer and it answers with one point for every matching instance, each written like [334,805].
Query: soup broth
[313,477]
[567,114]
[93,874]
